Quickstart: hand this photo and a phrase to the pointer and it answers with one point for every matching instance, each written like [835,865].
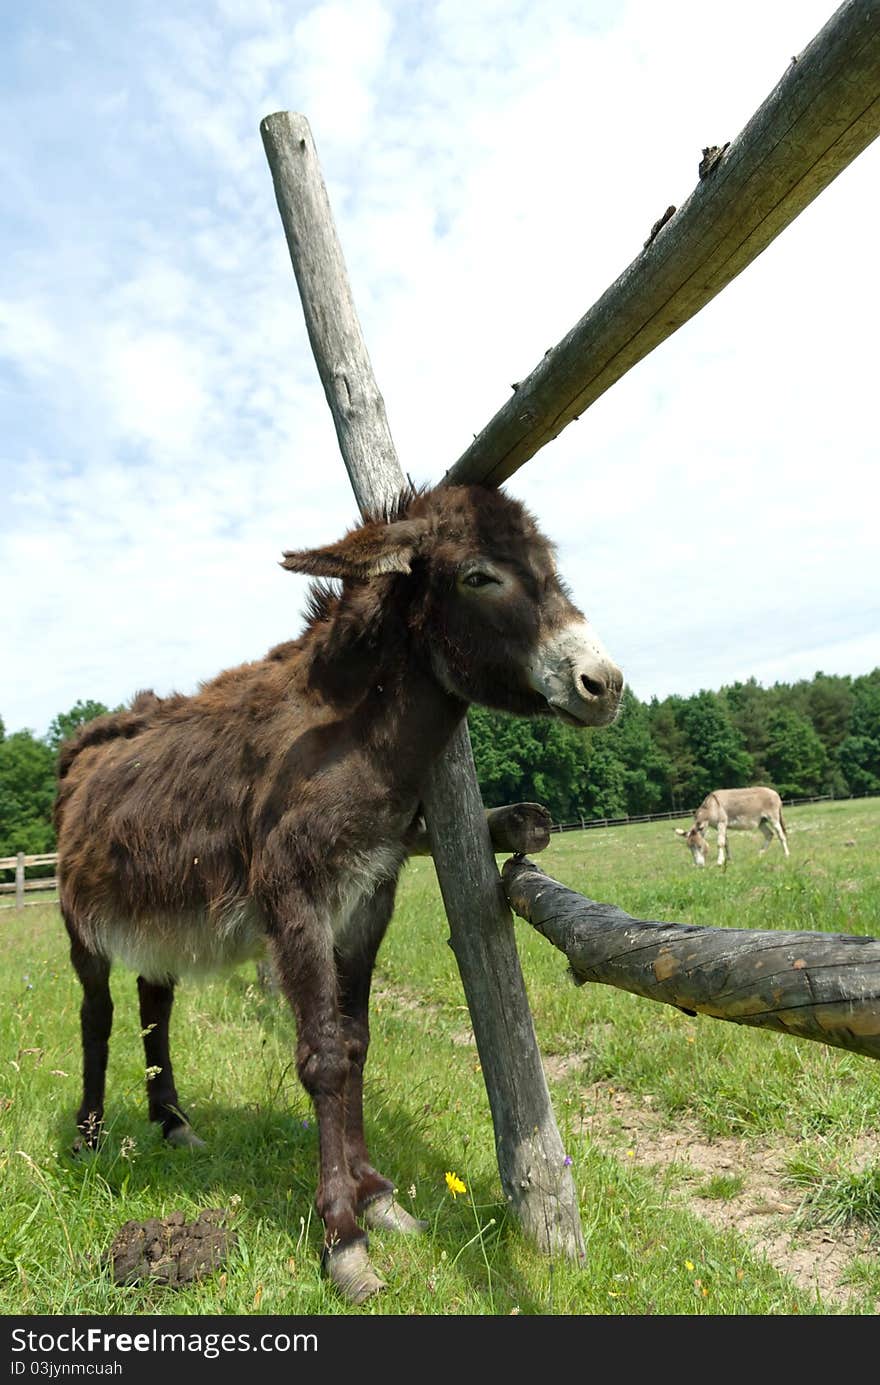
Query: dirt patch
[763,1210]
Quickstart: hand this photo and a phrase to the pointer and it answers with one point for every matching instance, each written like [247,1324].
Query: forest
[813,737]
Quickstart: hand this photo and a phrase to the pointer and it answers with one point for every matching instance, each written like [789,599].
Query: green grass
[721,1187]
[833,1193]
[427,1109]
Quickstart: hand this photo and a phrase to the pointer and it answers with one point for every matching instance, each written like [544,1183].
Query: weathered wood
[26,904]
[823,112]
[47,858]
[530,1153]
[337,342]
[822,986]
[7,887]
[528,1145]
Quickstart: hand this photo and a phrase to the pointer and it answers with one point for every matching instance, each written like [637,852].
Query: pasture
[721,1170]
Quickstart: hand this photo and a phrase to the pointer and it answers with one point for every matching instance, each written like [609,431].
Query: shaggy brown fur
[276,805]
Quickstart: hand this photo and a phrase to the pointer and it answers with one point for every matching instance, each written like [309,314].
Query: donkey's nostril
[593,686]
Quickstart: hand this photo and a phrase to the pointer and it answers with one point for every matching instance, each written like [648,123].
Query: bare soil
[765,1212]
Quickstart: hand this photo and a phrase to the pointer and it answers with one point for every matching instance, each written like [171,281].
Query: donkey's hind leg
[779,828]
[156,1000]
[96,1021]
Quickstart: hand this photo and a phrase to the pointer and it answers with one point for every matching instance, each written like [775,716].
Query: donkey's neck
[408,722]
[376,676]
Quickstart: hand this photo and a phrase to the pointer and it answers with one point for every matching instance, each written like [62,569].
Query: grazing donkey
[277,805]
[740,810]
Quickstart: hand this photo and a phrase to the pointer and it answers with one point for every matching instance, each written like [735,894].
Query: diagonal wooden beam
[823,112]
[531,1159]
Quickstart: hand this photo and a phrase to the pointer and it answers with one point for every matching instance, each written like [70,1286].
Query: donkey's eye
[480,579]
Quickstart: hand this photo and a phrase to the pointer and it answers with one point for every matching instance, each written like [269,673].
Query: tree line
[816,736]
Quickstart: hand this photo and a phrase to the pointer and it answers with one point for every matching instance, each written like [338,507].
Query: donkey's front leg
[723,848]
[355,959]
[301,939]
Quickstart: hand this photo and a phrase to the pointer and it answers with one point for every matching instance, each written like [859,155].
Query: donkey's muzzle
[577,676]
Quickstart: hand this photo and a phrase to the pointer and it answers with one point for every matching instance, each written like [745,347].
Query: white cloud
[155,385]
[29,337]
[339,51]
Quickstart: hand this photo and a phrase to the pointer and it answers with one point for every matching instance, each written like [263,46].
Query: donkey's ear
[365,552]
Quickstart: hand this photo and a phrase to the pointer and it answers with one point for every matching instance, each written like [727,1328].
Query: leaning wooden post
[531,1157]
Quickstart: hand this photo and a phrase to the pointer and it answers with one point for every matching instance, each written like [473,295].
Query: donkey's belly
[191,944]
[196,942]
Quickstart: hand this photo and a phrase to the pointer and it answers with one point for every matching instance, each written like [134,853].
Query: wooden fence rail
[583,824]
[21,885]
[822,986]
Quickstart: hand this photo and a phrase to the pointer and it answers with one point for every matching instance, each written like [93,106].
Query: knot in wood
[659,224]
[712,156]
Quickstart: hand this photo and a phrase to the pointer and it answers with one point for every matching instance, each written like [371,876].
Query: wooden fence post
[19,880]
[531,1158]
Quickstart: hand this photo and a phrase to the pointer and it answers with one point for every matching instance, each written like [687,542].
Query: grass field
[628,1077]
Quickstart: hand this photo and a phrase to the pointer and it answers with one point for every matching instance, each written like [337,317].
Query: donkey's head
[696,841]
[476,585]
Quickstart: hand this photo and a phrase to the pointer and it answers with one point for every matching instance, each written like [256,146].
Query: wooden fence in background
[582,824]
[21,885]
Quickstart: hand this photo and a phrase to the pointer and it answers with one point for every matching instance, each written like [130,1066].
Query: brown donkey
[276,806]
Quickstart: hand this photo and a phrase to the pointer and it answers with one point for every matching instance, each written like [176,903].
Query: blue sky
[492,167]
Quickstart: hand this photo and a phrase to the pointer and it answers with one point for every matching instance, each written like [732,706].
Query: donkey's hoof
[89,1134]
[184,1137]
[349,1268]
[382,1213]
[84,1149]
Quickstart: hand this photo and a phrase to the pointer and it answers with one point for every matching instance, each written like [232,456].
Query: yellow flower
[455,1185]
[689,1264]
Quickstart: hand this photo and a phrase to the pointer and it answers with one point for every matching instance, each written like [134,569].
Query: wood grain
[822,986]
